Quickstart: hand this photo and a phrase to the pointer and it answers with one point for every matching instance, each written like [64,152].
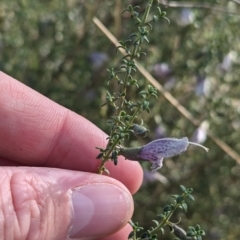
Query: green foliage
[164,220]
[122,121]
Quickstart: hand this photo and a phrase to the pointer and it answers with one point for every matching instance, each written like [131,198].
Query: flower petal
[157,165]
[165,147]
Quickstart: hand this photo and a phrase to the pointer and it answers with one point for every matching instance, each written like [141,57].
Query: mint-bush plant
[125,122]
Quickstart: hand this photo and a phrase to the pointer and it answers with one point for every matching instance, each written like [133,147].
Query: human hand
[48,186]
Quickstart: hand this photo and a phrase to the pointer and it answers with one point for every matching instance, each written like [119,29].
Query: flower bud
[140,131]
[179,232]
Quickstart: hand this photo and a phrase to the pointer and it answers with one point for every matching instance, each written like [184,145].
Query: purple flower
[166,147]
[203,87]
[157,150]
[149,177]
[98,59]
[228,61]
[161,70]
[186,18]
[160,132]
[200,135]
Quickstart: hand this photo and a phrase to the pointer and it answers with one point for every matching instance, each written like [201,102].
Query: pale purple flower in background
[149,177]
[186,17]
[170,83]
[160,132]
[164,74]
[161,70]
[98,59]
[200,135]
[157,150]
[203,87]
[228,60]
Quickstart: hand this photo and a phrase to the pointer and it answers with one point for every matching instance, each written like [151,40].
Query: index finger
[36,131]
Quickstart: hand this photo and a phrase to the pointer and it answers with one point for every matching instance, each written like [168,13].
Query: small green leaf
[179,199]
[145,235]
[122,113]
[190,228]
[190,197]
[133,35]
[197,228]
[145,105]
[106,171]
[156,222]
[166,19]
[184,207]
[161,216]
[154,237]
[190,234]
[148,110]
[149,25]
[131,223]
[115,161]
[167,208]
[131,235]
[99,156]
[163,14]
[155,18]
[183,188]
[175,196]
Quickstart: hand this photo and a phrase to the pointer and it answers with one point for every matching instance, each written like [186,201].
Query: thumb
[48,203]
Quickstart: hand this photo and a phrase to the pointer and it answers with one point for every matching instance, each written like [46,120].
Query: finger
[5,162]
[35,131]
[48,203]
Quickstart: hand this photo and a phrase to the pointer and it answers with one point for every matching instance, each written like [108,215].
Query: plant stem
[165,220]
[110,146]
[133,55]
[116,142]
[146,13]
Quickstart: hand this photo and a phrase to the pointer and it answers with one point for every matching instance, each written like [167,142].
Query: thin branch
[212,7]
[228,150]
[236,1]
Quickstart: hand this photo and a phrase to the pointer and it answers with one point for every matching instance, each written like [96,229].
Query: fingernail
[99,209]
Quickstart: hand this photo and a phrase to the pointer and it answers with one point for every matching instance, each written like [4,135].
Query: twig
[212,7]
[228,150]
[236,1]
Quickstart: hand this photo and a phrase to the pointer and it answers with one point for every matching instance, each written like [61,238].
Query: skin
[46,151]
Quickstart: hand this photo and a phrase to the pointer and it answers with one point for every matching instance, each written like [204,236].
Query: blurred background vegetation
[54,47]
